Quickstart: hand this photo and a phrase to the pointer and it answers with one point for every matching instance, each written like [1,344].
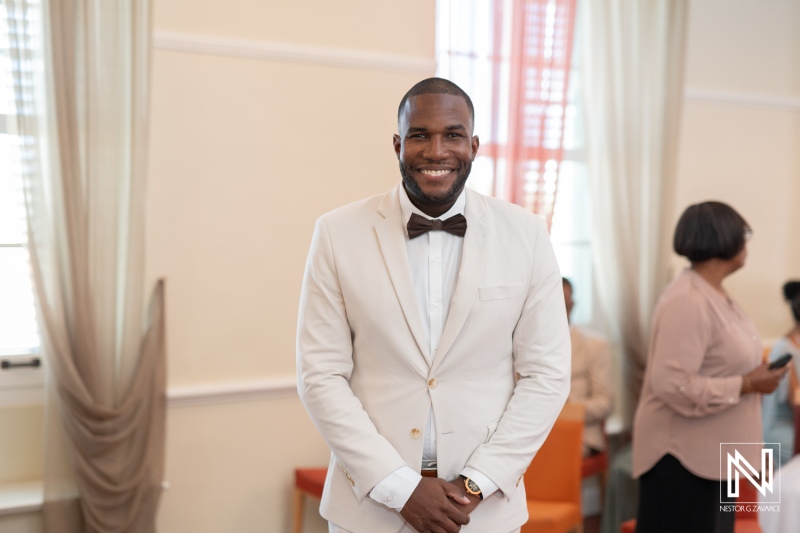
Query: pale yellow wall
[21,443]
[741,45]
[405,28]
[245,154]
[241,168]
[747,156]
[230,466]
[21,460]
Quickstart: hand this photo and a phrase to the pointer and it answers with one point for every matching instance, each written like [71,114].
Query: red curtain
[513,58]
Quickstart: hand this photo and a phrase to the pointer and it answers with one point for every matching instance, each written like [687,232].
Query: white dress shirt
[435,260]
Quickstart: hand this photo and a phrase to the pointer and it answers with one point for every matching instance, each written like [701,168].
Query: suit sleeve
[542,359]
[324,367]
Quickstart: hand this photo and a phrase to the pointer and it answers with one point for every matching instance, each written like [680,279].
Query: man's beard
[449,196]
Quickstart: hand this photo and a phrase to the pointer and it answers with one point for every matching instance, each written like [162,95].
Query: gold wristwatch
[472,487]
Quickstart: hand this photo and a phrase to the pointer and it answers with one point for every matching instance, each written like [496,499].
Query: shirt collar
[407,208]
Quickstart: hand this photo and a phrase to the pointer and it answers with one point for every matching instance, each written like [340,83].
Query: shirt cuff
[486,485]
[394,490]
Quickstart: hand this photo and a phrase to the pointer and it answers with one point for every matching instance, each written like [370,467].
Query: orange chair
[553,480]
[746,521]
[307,482]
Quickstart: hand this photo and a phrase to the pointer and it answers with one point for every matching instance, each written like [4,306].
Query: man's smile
[436,173]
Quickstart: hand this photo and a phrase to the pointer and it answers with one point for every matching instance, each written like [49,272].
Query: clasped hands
[438,506]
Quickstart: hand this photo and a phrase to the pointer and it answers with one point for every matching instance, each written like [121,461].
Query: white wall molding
[741,99]
[238,391]
[25,497]
[292,53]
[268,389]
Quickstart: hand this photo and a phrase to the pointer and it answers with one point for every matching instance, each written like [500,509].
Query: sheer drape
[84,183]
[633,56]
[513,58]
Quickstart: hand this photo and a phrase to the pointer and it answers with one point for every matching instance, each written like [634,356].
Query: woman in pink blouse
[703,381]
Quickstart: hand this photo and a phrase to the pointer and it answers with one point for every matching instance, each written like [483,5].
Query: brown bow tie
[419,225]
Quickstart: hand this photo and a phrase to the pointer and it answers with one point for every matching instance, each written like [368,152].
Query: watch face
[472,487]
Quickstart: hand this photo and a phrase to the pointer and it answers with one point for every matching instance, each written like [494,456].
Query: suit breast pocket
[505,292]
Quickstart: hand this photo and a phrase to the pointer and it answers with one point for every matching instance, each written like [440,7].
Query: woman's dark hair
[710,230]
[791,292]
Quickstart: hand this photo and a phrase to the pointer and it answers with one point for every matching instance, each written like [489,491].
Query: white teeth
[435,172]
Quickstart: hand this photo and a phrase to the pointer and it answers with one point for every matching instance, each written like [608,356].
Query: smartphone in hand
[780,362]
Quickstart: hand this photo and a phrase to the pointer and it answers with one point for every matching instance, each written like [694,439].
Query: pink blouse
[701,345]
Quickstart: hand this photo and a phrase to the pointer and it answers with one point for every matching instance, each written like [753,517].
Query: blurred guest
[703,382]
[777,409]
[591,379]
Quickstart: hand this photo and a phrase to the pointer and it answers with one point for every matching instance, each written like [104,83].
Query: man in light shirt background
[591,383]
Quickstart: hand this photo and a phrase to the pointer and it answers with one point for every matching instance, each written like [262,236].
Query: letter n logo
[738,469]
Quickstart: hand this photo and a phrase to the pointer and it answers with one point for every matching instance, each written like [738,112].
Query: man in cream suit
[432,348]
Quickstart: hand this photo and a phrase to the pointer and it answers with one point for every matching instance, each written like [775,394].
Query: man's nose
[436,149]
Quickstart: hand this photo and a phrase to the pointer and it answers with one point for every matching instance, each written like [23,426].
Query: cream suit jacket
[362,357]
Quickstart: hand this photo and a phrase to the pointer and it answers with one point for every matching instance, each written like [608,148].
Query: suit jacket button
[415,433]
[432,383]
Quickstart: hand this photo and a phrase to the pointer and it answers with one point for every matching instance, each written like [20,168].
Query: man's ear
[397,144]
[475,144]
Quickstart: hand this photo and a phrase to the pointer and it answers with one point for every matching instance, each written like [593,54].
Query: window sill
[23,497]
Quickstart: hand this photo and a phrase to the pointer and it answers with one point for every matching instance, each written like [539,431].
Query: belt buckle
[429,469]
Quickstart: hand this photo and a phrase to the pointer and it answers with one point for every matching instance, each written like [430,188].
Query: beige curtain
[84,184]
[632,67]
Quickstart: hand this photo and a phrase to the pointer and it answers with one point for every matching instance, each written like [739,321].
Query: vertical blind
[18,331]
[513,58]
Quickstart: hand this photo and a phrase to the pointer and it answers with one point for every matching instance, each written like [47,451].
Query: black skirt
[673,500]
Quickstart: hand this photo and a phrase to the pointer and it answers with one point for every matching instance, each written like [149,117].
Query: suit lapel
[472,259]
[392,241]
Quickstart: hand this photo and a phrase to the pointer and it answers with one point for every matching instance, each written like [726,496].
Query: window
[468,27]
[19,338]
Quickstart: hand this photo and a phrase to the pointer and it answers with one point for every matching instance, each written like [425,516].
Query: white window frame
[19,385]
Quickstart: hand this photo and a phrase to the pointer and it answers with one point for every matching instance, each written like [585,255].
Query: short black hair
[436,86]
[565,281]
[791,293]
[710,230]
